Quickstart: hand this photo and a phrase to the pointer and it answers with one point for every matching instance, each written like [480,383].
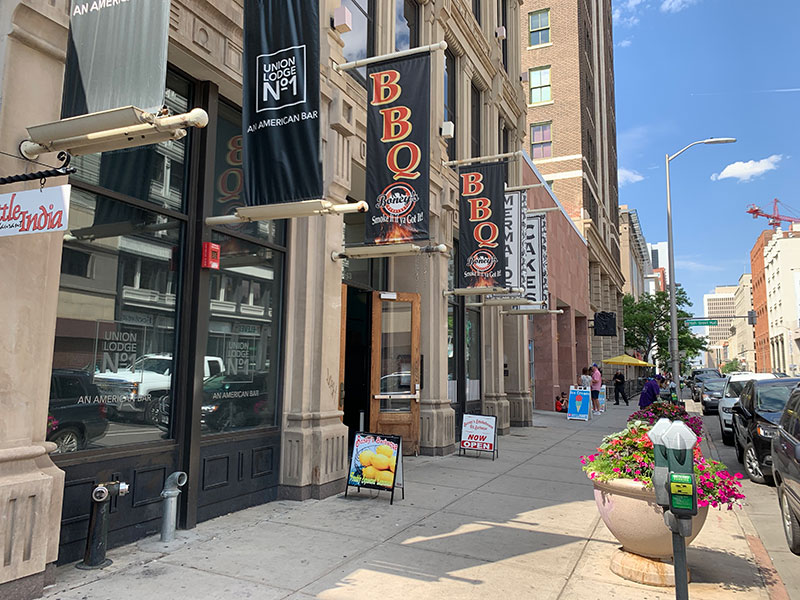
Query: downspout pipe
[170,495]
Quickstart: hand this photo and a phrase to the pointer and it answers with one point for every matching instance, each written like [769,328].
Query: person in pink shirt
[597,383]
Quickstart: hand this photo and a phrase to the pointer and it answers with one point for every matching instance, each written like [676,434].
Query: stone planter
[631,514]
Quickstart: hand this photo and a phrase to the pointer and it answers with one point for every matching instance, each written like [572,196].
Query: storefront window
[358,42]
[154,173]
[240,384]
[365,272]
[114,354]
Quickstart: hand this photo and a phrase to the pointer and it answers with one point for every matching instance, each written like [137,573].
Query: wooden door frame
[410,446]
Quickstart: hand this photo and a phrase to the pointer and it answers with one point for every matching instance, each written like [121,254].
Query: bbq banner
[116,56]
[280,100]
[482,226]
[398,150]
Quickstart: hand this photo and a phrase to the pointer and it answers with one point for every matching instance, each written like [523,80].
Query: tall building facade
[659,257]
[762,344]
[255,373]
[719,305]
[568,61]
[782,277]
[635,261]
[741,344]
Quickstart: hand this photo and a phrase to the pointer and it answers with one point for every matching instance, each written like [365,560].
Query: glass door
[394,407]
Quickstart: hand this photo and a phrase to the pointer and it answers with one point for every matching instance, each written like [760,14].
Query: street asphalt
[522,526]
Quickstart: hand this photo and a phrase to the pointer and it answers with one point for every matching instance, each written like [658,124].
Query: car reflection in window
[76,418]
[396,383]
[232,402]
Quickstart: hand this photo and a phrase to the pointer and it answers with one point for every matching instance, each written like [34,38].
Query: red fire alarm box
[210,256]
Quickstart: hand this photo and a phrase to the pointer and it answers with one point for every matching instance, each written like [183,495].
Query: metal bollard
[170,495]
[96,543]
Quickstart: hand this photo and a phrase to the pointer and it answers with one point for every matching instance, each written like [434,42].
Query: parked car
[755,422]
[786,469]
[710,394]
[233,402]
[75,405]
[730,396]
[697,378]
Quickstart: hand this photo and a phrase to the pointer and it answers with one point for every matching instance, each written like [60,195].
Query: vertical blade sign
[281,104]
[398,150]
[481,226]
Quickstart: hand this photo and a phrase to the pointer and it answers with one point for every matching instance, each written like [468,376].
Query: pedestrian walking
[651,391]
[586,379]
[619,388]
[597,383]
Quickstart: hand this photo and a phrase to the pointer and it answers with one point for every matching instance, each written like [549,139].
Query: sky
[687,70]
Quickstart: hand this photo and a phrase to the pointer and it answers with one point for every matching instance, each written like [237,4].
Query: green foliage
[731,366]
[647,326]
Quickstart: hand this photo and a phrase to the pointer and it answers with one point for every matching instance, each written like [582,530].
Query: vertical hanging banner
[398,150]
[535,252]
[116,56]
[280,102]
[482,254]
[514,215]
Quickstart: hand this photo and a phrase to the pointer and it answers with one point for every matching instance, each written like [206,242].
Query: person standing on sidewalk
[619,388]
[650,392]
[597,383]
[586,380]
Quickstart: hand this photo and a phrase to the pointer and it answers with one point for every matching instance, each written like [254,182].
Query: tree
[646,323]
[731,366]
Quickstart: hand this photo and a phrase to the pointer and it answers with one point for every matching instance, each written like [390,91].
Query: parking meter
[661,471]
[680,442]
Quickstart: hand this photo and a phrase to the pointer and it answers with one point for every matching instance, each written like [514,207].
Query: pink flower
[738,475]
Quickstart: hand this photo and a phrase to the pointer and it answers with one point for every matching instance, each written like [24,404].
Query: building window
[406,24]
[540,85]
[450,99]
[359,42]
[476,10]
[502,6]
[75,262]
[541,140]
[539,27]
[475,129]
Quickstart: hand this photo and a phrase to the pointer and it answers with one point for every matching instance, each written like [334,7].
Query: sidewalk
[523,526]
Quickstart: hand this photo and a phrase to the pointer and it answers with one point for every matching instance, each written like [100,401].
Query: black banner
[116,56]
[398,150]
[280,115]
[481,241]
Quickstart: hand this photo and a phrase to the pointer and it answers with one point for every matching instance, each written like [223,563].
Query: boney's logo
[281,78]
[482,261]
[397,200]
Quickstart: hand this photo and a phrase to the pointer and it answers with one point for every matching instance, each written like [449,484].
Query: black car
[710,393]
[697,378]
[786,469]
[76,417]
[755,423]
[239,401]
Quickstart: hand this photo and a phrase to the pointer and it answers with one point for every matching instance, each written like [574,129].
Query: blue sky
[691,69]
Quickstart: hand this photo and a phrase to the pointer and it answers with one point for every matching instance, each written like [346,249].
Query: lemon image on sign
[369,473]
[384,449]
[392,464]
[380,461]
[366,458]
[385,477]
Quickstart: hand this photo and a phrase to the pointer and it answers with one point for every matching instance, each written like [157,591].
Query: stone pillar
[545,367]
[596,300]
[517,380]
[31,486]
[607,305]
[567,369]
[495,401]
[582,333]
[314,455]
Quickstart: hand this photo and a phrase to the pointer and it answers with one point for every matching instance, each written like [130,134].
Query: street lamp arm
[684,149]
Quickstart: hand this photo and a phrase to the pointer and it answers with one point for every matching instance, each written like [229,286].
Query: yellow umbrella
[624,359]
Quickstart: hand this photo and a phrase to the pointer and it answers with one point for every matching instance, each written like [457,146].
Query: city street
[761,507]
[522,526]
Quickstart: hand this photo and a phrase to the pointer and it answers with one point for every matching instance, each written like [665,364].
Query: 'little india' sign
[34,211]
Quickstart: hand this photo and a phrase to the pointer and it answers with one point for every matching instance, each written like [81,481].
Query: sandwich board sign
[479,432]
[580,401]
[602,399]
[377,463]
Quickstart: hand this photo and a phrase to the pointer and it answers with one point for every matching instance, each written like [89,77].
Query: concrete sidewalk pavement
[522,526]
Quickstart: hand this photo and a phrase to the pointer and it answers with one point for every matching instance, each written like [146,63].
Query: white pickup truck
[131,391]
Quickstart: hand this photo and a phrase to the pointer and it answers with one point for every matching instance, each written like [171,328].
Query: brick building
[567,56]
[763,359]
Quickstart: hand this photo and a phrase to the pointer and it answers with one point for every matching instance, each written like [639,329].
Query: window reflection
[240,379]
[358,42]
[406,29]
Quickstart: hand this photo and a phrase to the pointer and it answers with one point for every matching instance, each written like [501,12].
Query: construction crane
[775,217]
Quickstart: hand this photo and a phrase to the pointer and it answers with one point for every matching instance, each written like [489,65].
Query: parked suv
[786,469]
[77,410]
[697,377]
[730,396]
[755,422]
[710,392]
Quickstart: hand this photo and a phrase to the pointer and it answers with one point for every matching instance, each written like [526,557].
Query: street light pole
[673,302]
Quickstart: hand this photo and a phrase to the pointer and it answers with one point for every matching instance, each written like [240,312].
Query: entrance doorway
[357,357]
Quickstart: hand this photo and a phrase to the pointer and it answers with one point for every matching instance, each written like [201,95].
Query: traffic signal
[751,317]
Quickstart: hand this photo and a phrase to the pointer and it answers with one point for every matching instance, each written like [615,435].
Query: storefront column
[546,369]
[31,486]
[567,373]
[495,401]
[517,382]
[314,455]
[582,333]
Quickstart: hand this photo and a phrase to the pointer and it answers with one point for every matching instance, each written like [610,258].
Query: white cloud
[674,6]
[626,176]
[693,265]
[624,43]
[745,171]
